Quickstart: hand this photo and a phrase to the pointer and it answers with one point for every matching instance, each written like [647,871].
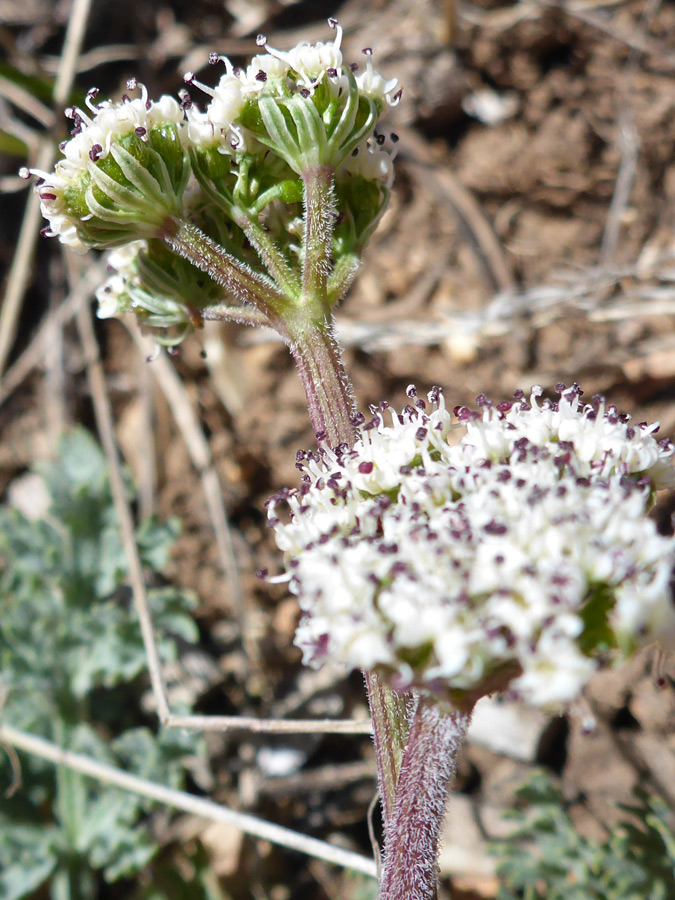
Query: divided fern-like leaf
[547,859]
[71,661]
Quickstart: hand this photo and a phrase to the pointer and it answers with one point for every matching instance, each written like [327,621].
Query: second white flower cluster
[513,548]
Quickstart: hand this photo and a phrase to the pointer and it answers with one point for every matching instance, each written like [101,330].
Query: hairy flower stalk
[410,867]
[238,279]
[320,214]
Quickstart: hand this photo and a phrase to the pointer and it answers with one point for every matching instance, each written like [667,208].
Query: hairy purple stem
[329,400]
[327,387]
[235,276]
[305,323]
[410,868]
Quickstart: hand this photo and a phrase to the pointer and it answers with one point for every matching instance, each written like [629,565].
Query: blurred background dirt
[530,240]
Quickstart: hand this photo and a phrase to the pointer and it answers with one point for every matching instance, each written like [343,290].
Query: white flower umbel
[521,555]
[123,171]
[304,104]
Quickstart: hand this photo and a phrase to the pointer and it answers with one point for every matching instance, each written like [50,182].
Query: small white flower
[556,673]
[523,549]
[113,296]
[313,62]
[370,162]
[372,84]
[263,68]
[200,131]
[228,102]
[213,127]
[109,296]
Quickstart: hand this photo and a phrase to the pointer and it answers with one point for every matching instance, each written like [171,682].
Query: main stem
[329,400]
[410,870]
[327,387]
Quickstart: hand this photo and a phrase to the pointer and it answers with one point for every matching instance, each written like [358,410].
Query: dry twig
[200,453]
[34,353]
[197,806]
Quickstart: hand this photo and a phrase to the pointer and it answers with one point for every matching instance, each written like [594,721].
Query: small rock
[508,728]
[223,844]
[28,493]
[463,849]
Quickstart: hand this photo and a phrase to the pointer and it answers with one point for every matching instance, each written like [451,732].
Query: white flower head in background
[520,556]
